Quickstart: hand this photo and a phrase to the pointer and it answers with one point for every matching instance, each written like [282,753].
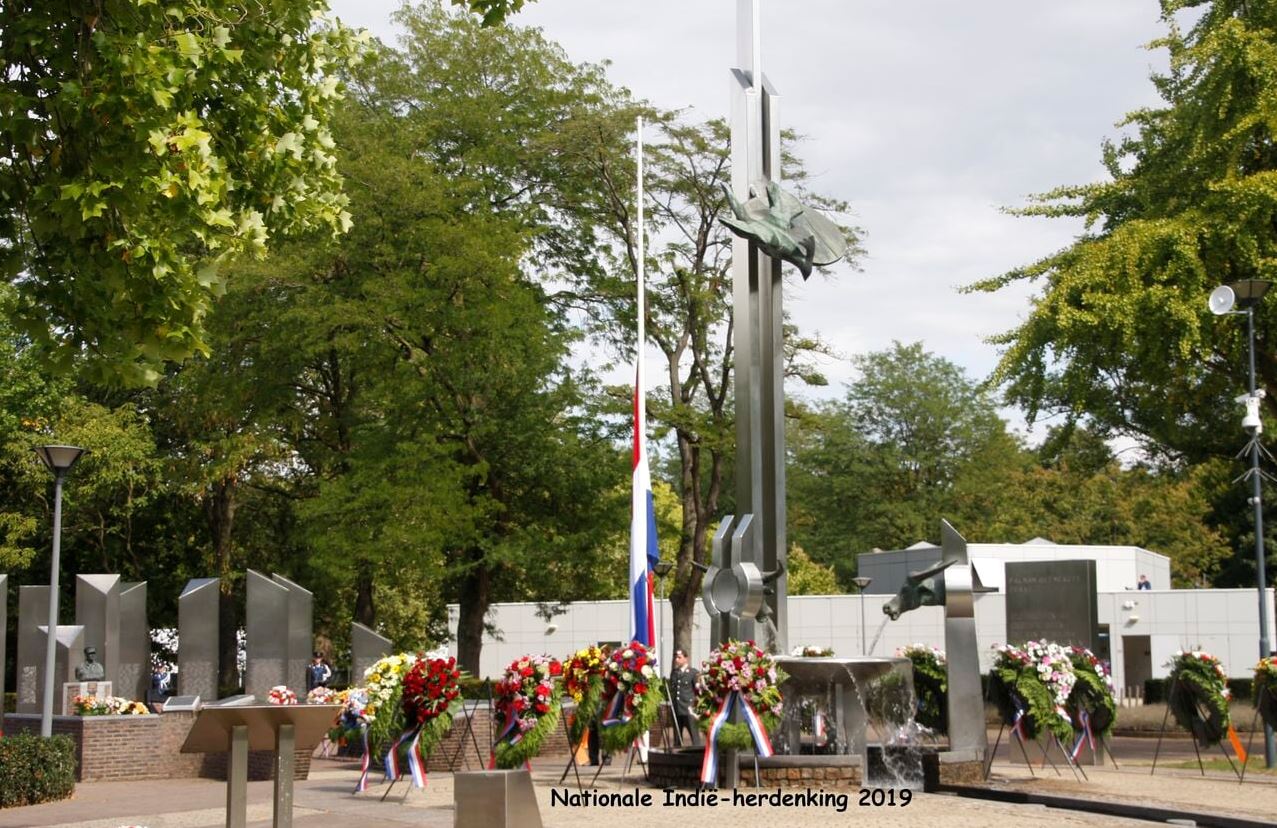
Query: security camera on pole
[1246,295]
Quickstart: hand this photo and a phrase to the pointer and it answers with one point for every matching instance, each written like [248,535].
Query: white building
[1116,567]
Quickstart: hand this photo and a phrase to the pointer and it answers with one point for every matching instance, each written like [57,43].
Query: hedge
[34,769]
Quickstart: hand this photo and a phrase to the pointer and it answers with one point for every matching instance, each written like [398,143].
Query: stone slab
[1052,601]
[133,671]
[198,609]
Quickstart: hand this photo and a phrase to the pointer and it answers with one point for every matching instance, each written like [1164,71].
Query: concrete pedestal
[495,799]
[71,689]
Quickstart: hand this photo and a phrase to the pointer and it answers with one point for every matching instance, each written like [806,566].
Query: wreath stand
[1198,723]
[1046,750]
[468,712]
[1259,700]
[572,764]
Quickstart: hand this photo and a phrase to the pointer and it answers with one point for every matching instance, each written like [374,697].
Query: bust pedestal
[71,689]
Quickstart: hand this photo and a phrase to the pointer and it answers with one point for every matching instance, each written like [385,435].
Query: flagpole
[641,376]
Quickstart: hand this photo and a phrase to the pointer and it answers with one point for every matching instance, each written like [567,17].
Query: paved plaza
[325,800]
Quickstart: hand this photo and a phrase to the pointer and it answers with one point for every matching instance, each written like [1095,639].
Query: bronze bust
[91,669]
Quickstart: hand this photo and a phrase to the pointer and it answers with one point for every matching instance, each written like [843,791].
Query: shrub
[34,769]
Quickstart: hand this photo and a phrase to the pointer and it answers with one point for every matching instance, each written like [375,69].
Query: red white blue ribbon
[617,711]
[362,785]
[514,740]
[393,771]
[1086,735]
[762,744]
[416,762]
[1017,724]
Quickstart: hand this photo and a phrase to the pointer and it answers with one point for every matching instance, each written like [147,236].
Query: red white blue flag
[643,550]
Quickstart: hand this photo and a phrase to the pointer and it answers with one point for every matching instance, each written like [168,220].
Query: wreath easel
[1203,722]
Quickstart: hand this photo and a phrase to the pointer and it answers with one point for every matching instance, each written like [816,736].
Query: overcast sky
[928,117]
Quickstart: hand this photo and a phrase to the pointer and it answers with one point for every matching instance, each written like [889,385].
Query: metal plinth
[495,799]
[237,778]
[234,729]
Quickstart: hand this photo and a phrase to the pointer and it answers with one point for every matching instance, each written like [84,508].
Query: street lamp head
[663,568]
[1244,293]
[862,581]
[1249,291]
[59,459]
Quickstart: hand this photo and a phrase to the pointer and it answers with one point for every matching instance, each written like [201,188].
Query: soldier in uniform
[682,686]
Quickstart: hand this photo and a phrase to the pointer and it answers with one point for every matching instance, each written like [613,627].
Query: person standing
[1144,583]
[318,672]
[683,699]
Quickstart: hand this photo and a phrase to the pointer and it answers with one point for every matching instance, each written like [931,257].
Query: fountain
[832,705]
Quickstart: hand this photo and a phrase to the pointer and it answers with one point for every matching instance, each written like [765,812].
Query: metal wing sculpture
[785,229]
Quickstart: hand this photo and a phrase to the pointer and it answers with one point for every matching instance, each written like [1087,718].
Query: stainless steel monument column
[965,701]
[68,654]
[97,609]
[197,638]
[133,676]
[756,303]
[366,647]
[33,610]
[301,638]
[266,628]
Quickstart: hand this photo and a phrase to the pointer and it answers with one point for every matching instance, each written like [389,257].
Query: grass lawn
[1254,764]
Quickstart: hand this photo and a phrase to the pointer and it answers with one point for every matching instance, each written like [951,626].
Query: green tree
[879,468]
[145,144]
[438,444]
[806,577]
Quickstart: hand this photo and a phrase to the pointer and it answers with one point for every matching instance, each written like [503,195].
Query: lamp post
[59,460]
[862,582]
[1246,295]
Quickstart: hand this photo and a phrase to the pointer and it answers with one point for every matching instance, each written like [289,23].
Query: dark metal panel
[197,638]
[134,668]
[266,626]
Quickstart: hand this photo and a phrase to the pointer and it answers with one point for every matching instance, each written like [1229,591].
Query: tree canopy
[1120,333]
[145,145]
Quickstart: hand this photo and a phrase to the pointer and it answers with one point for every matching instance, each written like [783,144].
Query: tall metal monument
[745,590]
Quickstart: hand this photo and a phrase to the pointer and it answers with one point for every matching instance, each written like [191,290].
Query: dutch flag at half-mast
[643,551]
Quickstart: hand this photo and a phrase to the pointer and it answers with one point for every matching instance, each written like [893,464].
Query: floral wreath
[930,685]
[431,689]
[383,690]
[1265,689]
[428,693]
[1031,686]
[738,667]
[1093,703]
[583,681]
[321,695]
[527,708]
[1199,685]
[633,696]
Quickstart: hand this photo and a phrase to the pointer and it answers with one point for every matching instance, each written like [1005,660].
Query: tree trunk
[475,596]
[365,611]
[219,507]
